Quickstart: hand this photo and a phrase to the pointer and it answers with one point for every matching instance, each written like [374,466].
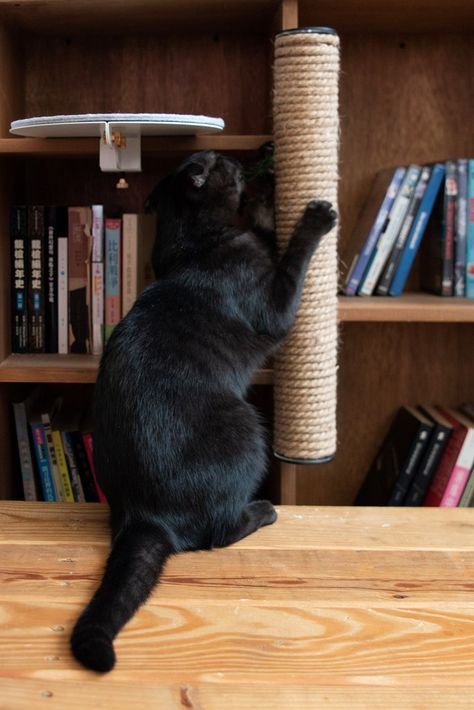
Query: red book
[88,445]
[447,465]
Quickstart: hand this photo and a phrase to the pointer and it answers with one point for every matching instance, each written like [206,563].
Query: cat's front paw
[319,217]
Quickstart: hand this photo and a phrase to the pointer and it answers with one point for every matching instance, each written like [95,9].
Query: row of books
[427,458]
[75,274]
[55,450]
[429,205]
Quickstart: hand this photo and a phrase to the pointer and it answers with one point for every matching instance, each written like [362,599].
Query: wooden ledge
[348,607]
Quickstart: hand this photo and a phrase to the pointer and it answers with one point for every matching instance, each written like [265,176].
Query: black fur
[178,451]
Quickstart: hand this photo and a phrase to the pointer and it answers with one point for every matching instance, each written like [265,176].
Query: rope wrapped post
[306,132]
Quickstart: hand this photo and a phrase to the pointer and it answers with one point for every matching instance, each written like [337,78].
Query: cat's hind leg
[254,516]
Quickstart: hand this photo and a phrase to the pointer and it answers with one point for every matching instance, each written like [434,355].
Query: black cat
[178,451]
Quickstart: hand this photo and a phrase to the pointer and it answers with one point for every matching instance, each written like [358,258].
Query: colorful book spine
[36,280]
[88,484]
[363,260]
[390,233]
[446,464]
[460,230]
[97,280]
[462,466]
[470,232]
[112,275]
[79,239]
[397,251]
[88,446]
[129,261]
[58,488]
[63,469]
[19,251]
[24,451]
[56,228]
[467,498]
[63,294]
[417,231]
[40,446]
[73,468]
[451,191]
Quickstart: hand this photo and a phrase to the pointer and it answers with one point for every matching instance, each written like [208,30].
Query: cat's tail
[138,555]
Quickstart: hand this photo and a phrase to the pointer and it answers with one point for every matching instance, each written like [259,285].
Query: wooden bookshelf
[405,96]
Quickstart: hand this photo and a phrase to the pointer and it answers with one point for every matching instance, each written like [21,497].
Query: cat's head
[207,181]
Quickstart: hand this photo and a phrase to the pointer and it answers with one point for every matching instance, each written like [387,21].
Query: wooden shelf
[159,145]
[411,307]
[69,369]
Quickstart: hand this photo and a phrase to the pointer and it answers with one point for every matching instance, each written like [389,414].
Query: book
[63,296]
[53,462]
[19,261]
[112,274]
[417,231]
[437,442]
[40,448]
[390,232]
[464,462]
[138,237]
[371,222]
[460,232]
[24,452]
[87,479]
[391,459]
[397,251]
[73,468]
[467,498]
[36,279]
[88,445]
[62,465]
[470,231]
[410,464]
[447,461]
[56,226]
[437,254]
[97,280]
[79,240]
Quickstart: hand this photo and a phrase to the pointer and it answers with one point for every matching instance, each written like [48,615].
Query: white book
[97,233]
[97,288]
[63,292]
[389,236]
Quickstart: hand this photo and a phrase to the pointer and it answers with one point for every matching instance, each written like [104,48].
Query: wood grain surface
[329,607]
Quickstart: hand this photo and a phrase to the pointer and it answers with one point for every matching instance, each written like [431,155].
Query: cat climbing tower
[306,132]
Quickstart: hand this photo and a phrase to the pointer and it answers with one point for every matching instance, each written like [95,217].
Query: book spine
[24,452]
[129,261]
[460,473]
[42,459]
[51,265]
[444,468]
[461,231]
[112,275]
[19,254]
[396,254]
[409,468]
[85,472]
[389,235]
[449,221]
[417,491]
[88,446]
[63,293]
[417,231]
[97,280]
[467,498]
[79,238]
[76,483]
[62,466]
[60,496]
[470,232]
[363,260]
[36,280]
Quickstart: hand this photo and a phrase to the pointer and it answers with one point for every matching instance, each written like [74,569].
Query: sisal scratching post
[306,131]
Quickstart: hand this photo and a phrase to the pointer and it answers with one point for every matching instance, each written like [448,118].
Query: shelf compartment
[152,146]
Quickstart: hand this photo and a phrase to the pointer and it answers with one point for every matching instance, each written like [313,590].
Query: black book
[439,438]
[85,473]
[56,226]
[19,262]
[392,458]
[409,468]
[36,279]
